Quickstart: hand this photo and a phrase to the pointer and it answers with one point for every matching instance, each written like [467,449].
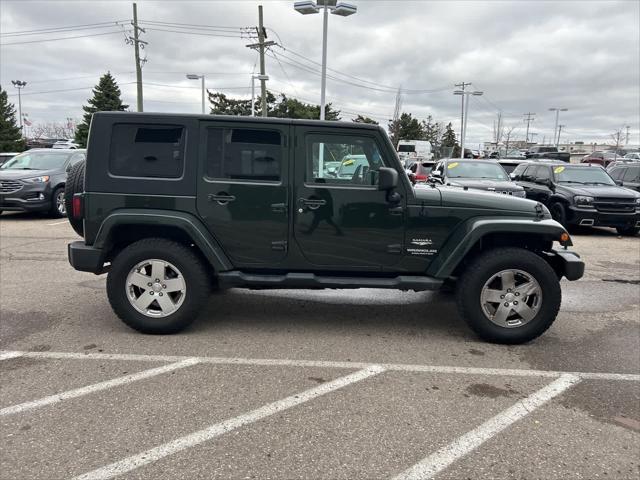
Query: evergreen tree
[10,138]
[406,128]
[361,119]
[106,98]
[449,145]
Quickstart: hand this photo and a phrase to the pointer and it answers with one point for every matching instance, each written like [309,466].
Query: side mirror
[387,179]
[435,178]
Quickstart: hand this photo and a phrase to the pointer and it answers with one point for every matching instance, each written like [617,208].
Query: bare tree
[508,132]
[54,130]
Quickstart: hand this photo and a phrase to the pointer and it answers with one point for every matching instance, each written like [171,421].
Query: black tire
[75,184]
[473,279]
[196,279]
[628,231]
[54,211]
[559,213]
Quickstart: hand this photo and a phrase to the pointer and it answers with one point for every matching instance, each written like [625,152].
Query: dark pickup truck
[173,206]
[548,152]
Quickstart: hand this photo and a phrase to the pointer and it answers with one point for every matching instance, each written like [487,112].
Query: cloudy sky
[525,56]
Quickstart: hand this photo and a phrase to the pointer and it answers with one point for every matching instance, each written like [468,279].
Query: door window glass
[617,173]
[342,160]
[542,174]
[529,173]
[632,174]
[244,154]
[139,150]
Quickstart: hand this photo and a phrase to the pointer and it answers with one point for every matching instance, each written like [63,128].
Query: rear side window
[244,154]
[632,174]
[543,173]
[147,151]
[617,173]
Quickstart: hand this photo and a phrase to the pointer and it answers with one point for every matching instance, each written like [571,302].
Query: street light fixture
[193,76]
[19,84]
[555,129]
[463,134]
[342,9]
[253,91]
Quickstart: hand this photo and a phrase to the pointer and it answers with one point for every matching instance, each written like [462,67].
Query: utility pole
[626,141]
[499,131]
[462,86]
[19,84]
[529,118]
[555,128]
[260,46]
[559,132]
[136,48]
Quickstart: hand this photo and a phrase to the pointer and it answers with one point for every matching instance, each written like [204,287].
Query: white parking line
[504,372]
[78,392]
[182,443]
[438,461]
[56,223]
[8,355]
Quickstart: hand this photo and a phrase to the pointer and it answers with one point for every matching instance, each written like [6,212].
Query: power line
[85,26]
[195,25]
[60,38]
[239,35]
[65,90]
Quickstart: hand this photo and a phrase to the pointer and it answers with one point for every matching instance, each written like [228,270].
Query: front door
[243,189]
[341,219]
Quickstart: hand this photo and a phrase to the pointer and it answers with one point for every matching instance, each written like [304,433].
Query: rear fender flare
[186,222]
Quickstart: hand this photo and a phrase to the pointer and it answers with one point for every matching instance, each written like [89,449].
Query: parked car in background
[34,181]
[510,164]
[413,150]
[632,156]
[581,195]
[602,158]
[484,175]
[65,144]
[418,172]
[547,151]
[626,175]
[5,156]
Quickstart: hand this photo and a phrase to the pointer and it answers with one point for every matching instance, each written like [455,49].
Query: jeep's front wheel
[157,286]
[509,295]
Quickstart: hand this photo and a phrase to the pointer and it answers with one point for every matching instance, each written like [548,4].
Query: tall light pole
[19,84]
[555,128]
[308,7]
[193,76]
[253,91]
[465,116]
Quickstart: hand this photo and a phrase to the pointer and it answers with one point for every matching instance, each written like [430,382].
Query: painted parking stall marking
[440,460]
[96,387]
[188,441]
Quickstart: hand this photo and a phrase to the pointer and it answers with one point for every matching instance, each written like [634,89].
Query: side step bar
[236,278]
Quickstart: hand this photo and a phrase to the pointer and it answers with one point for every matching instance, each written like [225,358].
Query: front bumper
[86,258]
[567,263]
[592,217]
[29,198]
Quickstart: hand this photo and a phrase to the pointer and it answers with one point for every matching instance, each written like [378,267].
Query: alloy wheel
[511,298]
[155,288]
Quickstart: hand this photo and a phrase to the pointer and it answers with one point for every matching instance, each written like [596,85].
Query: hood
[22,174]
[485,184]
[600,191]
[478,199]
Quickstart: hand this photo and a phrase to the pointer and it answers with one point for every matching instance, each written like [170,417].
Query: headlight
[520,193]
[638,201]
[583,200]
[42,179]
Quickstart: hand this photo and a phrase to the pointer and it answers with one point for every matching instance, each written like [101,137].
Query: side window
[529,173]
[517,172]
[355,159]
[542,174]
[632,174]
[617,173]
[244,154]
[147,151]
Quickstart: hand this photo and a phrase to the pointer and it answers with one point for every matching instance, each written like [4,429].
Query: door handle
[222,198]
[279,207]
[312,203]
[396,210]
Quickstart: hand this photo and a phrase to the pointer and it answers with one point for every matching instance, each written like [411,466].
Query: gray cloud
[525,56]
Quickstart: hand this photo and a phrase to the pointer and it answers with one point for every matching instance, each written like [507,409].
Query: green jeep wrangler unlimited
[173,206]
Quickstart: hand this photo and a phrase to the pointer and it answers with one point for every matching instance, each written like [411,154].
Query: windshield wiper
[572,181]
[597,183]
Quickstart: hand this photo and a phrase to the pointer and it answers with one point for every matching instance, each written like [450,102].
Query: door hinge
[280,245]
[394,248]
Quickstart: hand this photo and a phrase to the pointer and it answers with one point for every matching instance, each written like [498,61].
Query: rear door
[344,221]
[243,190]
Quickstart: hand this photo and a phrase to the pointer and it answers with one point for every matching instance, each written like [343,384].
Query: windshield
[476,170]
[583,175]
[36,161]
[406,148]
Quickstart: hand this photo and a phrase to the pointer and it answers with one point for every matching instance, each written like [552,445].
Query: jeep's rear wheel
[509,295]
[74,184]
[157,286]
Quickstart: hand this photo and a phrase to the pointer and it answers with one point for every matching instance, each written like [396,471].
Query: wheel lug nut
[506,304]
[517,294]
[509,290]
[164,286]
[149,284]
[501,296]
[515,303]
[157,280]
[160,294]
[151,293]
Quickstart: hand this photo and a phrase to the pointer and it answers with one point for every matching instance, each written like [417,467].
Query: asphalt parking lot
[308,384]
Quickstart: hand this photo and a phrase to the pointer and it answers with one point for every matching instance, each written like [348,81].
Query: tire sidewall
[178,320]
[516,259]
[559,213]
[53,210]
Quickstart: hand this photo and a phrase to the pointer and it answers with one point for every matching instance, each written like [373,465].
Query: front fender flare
[467,235]
[186,222]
